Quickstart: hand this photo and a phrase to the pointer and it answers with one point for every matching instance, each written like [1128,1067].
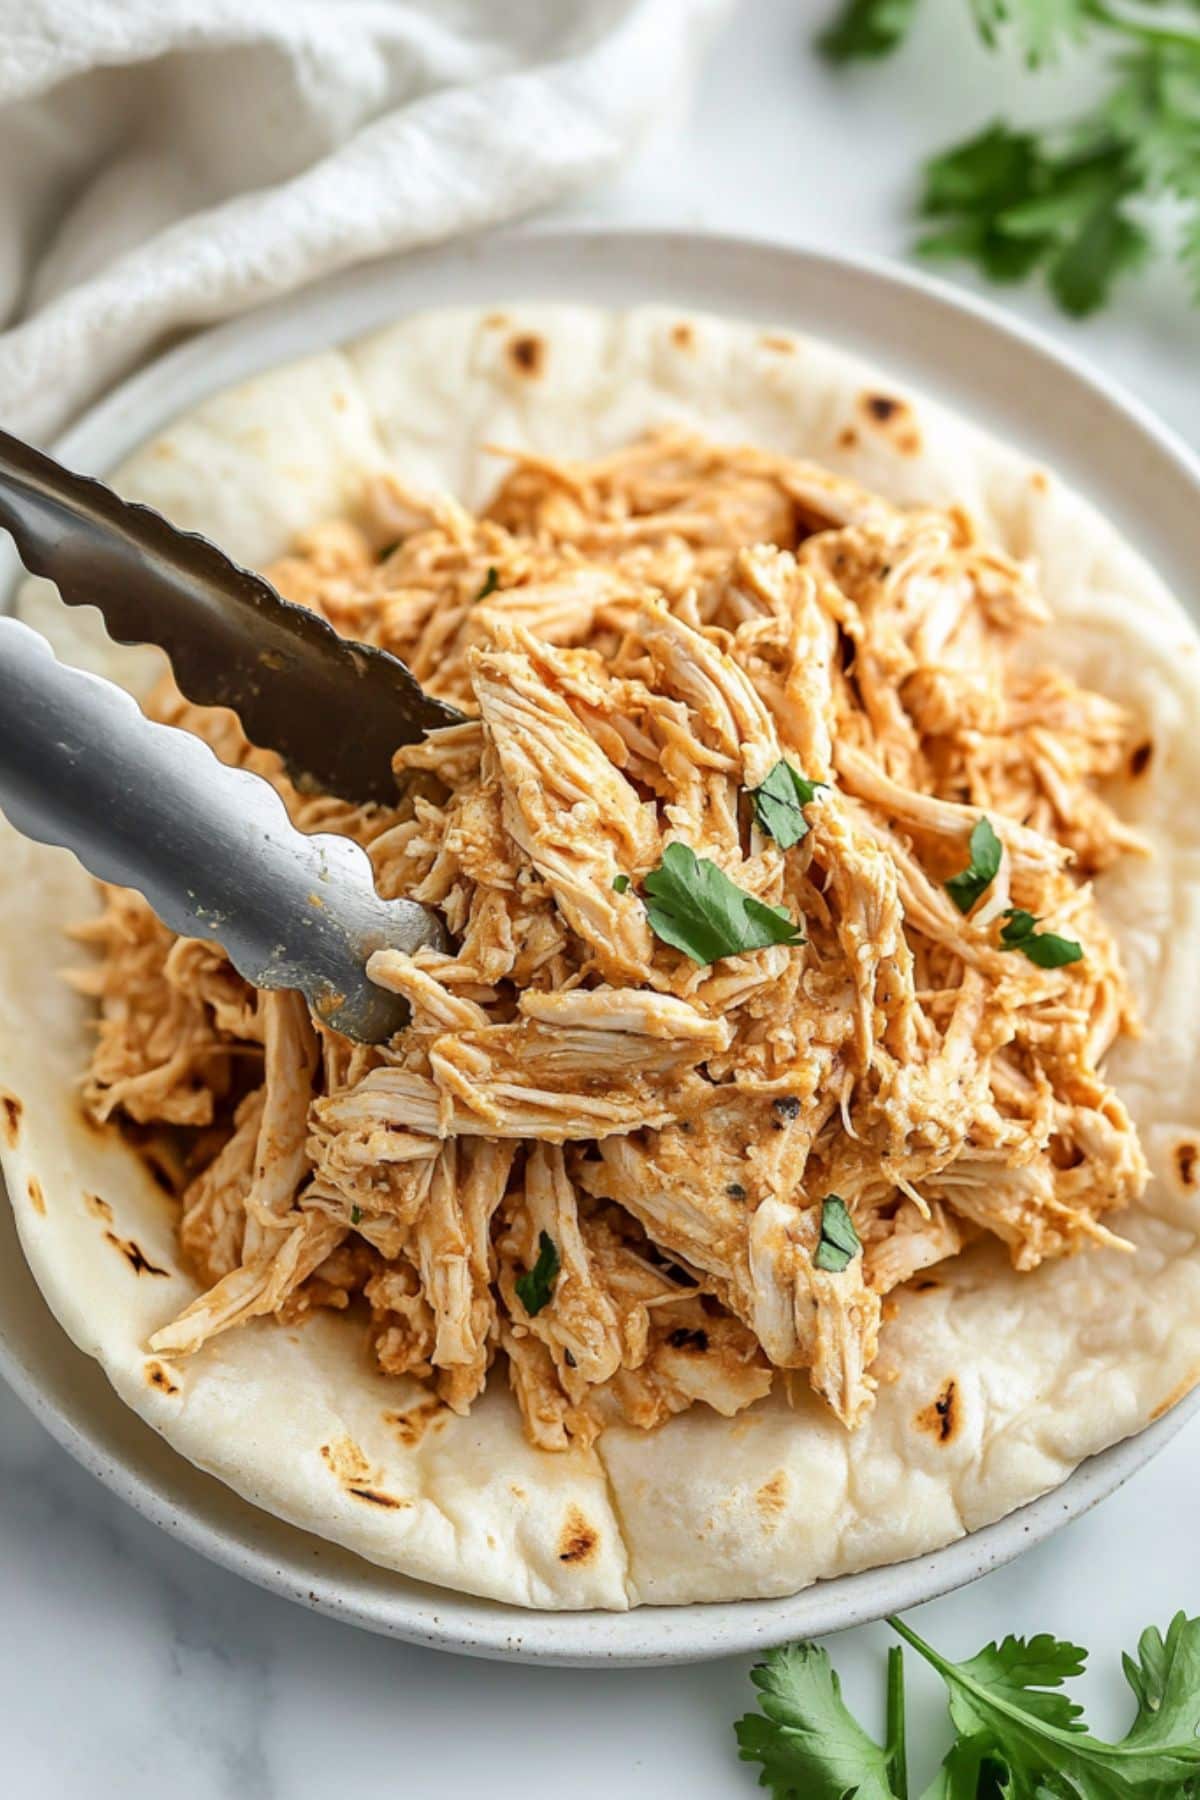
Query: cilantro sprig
[693,905]
[1016,1734]
[1067,201]
[536,1285]
[779,804]
[1045,948]
[966,887]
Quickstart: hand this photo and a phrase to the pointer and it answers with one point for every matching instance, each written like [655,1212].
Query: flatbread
[995,1384]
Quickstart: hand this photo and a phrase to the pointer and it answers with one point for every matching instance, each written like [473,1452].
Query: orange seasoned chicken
[777,979]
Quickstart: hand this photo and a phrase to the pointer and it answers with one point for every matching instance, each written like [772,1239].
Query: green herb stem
[897,1732]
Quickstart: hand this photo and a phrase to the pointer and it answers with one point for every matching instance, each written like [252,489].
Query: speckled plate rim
[957,349]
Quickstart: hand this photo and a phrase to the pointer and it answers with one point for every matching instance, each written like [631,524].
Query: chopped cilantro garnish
[620,884]
[356,1215]
[779,804]
[489,587]
[536,1285]
[694,906]
[986,850]
[839,1243]
[1045,948]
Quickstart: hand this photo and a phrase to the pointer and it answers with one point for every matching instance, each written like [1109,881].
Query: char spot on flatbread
[923,1286]
[881,408]
[356,1475]
[528,354]
[37,1198]
[847,438]
[771,1497]
[683,336]
[895,419]
[1187,1157]
[346,1460]
[941,1417]
[10,1119]
[410,1427]
[1139,757]
[138,1261]
[100,1207]
[157,1377]
[578,1541]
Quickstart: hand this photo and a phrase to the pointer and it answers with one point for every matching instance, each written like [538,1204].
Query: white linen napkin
[164,163]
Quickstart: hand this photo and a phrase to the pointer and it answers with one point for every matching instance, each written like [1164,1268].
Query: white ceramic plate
[957,350]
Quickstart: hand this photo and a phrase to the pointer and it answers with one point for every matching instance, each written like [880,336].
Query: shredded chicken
[588,1151]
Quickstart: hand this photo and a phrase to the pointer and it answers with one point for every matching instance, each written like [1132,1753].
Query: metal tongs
[151,807]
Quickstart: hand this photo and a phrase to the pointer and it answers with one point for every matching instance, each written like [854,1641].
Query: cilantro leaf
[1166,1684]
[1019,1737]
[1022,1670]
[1069,200]
[867,28]
[779,803]
[1103,245]
[620,884]
[1005,1708]
[490,585]
[968,189]
[1045,948]
[810,1745]
[839,1243]
[536,1285]
[1156,113]
[1039,27]
[966,887]
[1012,202]
[969,1770]
[356,1215]
[695,907]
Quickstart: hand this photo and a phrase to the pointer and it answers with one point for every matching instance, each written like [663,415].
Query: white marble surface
[133,1668]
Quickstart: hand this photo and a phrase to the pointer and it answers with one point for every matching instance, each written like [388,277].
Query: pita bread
[1033,1373]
